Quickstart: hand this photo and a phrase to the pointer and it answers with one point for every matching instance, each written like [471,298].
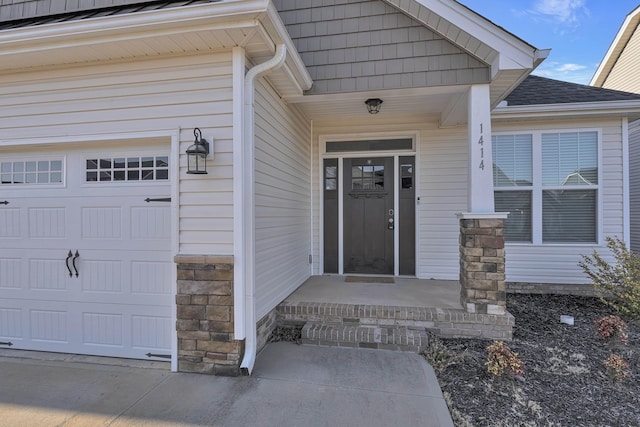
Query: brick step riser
[443,324]
[396,339]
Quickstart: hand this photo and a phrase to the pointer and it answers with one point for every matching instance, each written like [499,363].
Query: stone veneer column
[204,324]
[482,265]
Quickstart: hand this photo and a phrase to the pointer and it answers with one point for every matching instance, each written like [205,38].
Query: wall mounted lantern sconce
[197,154]
[373,105]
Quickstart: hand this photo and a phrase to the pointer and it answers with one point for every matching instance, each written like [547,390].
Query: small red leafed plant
[501,360]
[617,367]
[611,328]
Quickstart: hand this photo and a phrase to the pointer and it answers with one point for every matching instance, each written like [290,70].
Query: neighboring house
[103,229]
[619,70]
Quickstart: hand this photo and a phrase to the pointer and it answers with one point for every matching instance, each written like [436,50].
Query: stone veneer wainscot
[204,323]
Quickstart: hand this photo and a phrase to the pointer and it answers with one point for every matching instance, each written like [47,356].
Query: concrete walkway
[291,386]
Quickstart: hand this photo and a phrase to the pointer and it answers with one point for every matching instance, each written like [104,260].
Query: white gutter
[249,204]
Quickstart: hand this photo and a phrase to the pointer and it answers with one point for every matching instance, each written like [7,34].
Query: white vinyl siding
[557,263]
[124,98]
[283,199]
[634,184]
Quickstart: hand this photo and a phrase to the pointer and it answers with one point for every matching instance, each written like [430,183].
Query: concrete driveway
[291,386]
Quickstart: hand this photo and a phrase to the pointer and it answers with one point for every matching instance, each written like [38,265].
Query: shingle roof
[97,12]
[535,90]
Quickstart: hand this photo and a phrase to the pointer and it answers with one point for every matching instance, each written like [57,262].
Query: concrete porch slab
[405,292]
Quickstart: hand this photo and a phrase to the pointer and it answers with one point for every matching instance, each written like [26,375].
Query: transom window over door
[549,183]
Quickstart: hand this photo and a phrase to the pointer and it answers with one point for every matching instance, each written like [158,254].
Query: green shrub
[618,284]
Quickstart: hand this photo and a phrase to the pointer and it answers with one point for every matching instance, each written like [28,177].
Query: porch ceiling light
[373,105]
[197,154]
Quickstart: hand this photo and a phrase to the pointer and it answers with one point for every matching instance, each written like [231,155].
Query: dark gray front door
[368,215]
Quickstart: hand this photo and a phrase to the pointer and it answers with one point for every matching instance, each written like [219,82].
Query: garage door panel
[11,323]
[10,223]
[11,273]
[119,298]
[48,274]
[102,222]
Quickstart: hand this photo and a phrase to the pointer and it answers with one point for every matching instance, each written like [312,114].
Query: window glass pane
[92,164]
[147,162]
[118,175]
[330,171]
[569,216]
[570,158]
[105,163]
[30,178]
[105,176]
[518,224]
[5,167]
[162,174]
[56,177]
[330,184]
[5,178]
[512,160]
[118,163]
[162,162]
[43,178]
[31,166]
[133,162]
[43,166]
[56,165]
[19,167]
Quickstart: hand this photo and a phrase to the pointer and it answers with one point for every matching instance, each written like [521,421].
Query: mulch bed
[565,382]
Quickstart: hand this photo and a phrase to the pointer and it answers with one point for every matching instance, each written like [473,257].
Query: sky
[578,32]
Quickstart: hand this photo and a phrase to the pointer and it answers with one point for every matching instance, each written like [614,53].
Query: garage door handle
[67,262]
[74,262]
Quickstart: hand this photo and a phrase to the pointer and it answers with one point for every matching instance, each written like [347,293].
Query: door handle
[74,262]
[69,255]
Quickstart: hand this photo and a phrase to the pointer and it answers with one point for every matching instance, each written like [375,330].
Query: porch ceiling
[448,104]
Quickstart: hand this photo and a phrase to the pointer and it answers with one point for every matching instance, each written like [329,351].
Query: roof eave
[626,108]
[246,14]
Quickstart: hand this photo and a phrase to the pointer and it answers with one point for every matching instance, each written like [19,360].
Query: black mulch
[565,382]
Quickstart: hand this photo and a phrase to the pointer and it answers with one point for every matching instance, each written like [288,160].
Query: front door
[369,215]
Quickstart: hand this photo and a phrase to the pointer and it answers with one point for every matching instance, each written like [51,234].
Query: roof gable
[355,45]
[622,38]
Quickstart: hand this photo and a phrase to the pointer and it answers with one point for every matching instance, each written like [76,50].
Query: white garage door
[85,261]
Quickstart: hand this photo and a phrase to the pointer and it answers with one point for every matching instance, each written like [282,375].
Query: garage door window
[31,172]
[143,168]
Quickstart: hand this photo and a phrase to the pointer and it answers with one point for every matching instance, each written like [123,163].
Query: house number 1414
[481,144]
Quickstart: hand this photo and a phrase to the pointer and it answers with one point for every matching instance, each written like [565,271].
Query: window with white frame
[548,182]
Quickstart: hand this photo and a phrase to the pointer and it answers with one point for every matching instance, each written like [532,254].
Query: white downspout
[249,204]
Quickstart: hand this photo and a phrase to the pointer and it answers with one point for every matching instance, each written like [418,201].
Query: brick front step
[384,338]
[446,323]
